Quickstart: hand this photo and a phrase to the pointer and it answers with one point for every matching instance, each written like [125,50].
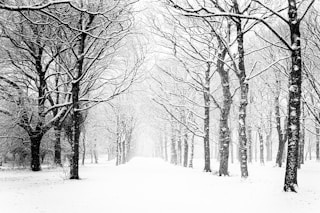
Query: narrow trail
[151,186]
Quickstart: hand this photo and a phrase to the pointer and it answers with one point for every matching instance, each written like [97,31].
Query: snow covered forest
[159,106]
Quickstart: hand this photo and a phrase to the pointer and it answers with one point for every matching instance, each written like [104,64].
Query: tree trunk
[95,153]
[185,149]
[206,125]
[244,89]
[179,146]
[295,79]
[282,134]
[261,146]
[191,152]
[310,150]
[57,145]
[76,116]
[231,152]
[256,148]
[249,144]
[268,139]
[165,147]
[302,138]
[84,147]
[224,130]
[173,158]
[118,153]
[317,140]
[35,151]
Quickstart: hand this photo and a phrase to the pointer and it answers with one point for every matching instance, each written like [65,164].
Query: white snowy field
[147,185]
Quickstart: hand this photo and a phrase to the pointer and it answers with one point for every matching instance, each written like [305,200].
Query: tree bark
[302,138]
[173,158]
[165,147]
[295,79]
[35,150]
[317,140]
[206,125]
[249,144]
[261,146]
[268,139]
[57,145]
[224,130]
[74,167]
[179,146]
[282,134]
[84,147]
[244,89]
[185,149]
[191,152]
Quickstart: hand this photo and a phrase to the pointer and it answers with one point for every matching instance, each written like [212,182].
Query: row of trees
[208,38]
[60,59]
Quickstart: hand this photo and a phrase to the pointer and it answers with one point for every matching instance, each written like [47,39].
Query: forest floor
[147,185]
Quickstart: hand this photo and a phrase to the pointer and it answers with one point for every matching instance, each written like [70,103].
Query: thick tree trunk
[244,89]
[35,151]
[242,127]
[295,79]
[224,130]
[206,125]
[191,152]
[57,146]
[76,117]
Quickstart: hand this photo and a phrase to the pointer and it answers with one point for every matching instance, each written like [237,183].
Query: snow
[153,186]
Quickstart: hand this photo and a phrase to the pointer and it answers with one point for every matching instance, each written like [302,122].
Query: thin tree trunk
[302,137]
[268,139]
[173,158]
[118,153]
[256,148]
[249,144]
[95,154]
[310,150]
[206,127]
[317,140]
[231,152]
[261,146]
[165,147]
[84,147]
[295,79]
[191,152]
[179,146]
[282,134]
[185,149]
[57,145]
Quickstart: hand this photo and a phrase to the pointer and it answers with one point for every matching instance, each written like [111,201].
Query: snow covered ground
[147,185]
